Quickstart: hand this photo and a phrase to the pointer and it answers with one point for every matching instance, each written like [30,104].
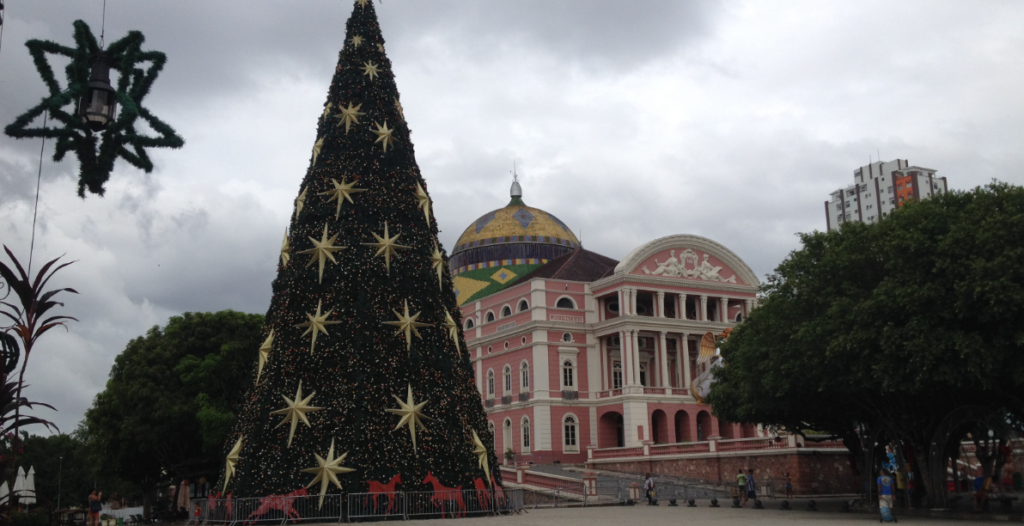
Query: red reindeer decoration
[483,495]
[282,503]
[377,488]
[444,494]
[499,495]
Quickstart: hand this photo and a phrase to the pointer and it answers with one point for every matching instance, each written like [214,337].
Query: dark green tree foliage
[360,364]
[75,473]
[168,404]
[97,152]
[890,326]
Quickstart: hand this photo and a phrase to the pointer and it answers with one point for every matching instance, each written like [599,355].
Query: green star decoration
[136,71]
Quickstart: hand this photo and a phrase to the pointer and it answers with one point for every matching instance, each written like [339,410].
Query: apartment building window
[890,189]
[892,201]
[847,204]
[869,207]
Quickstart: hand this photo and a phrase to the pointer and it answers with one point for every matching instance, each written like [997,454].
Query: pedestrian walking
[95,507]
[741,485]
[649,490]
[885,493]
[749,494]
[789,487]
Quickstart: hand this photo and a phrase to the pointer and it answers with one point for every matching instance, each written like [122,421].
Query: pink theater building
[575,351]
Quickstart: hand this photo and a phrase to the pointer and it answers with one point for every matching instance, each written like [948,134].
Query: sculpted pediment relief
[688,264]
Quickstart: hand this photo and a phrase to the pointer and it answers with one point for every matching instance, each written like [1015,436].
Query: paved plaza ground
[674,516]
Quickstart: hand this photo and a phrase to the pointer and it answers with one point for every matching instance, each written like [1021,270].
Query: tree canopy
[171,397]
[892,324]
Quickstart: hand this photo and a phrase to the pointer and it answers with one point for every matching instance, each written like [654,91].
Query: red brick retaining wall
[814,472]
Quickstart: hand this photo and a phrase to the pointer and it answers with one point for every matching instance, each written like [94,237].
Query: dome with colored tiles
[509,241]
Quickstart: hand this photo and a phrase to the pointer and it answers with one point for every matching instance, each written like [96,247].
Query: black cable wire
[35,209]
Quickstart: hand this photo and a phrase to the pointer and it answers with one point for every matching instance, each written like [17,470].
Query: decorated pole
[363,375]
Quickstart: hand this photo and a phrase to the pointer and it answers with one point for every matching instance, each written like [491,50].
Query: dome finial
[516,191]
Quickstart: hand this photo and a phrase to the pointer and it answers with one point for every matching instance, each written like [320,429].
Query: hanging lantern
[98,104]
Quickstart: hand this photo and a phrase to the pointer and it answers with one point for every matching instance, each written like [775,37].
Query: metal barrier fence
[424,504]
[282,509]
[274,508]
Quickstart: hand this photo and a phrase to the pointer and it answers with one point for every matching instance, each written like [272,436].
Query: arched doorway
[659,427]
[703,426]
[682,419]
[610,430]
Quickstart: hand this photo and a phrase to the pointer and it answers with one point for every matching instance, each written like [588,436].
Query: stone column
[685,358]
[663,357]
[635,342]
[627,358]
[703,315]
[622,301]
[682,306]
[723,305]
[633,293]
[661,304]
[750,307]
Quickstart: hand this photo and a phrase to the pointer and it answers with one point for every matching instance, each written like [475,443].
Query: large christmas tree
[363,374]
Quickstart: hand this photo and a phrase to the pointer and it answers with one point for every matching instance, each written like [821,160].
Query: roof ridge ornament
[516,192]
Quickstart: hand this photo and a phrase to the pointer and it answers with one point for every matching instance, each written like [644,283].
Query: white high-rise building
[878,189]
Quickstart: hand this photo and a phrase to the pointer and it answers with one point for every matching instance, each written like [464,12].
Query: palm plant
[30,322]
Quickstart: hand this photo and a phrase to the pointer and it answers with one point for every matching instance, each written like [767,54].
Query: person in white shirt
[649,489]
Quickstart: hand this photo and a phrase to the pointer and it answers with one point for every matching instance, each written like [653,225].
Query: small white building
[878,189]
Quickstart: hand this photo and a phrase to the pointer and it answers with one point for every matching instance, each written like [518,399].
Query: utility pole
[60,473]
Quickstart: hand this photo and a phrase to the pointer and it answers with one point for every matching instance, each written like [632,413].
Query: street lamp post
[60,473]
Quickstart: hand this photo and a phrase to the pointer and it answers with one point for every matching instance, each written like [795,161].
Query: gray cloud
[629,121]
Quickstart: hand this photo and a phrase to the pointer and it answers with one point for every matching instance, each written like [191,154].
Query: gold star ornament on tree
[357,41]
[317,147]
[286,250]
[386,245]
[437,259]
[327,110]
[424,200]
[412,415]
[482,456]
[370,69]
[453,329]
[408,325]
[300,202]
[383,135]
[341,192]
[322,251]
[327,471]
[268,344]
[296,410]
[316,324]
[233,456]
[362,3]
[349,116]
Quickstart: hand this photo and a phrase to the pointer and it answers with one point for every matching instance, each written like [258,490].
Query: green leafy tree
[65,461]
[890,328]
[169,402]
[334,359]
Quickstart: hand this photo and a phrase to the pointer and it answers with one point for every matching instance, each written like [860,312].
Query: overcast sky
[629,120]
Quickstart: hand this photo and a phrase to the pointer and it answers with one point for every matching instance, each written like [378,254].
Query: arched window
[567,374]
[739,317]
[490,317]
[508,379]
[490,382]
[506,435]
[643,374]
[525,373]
[506,311]
[469,323]
[617,375]
[569,429]
[526,435]
[523,306]
[565,303]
